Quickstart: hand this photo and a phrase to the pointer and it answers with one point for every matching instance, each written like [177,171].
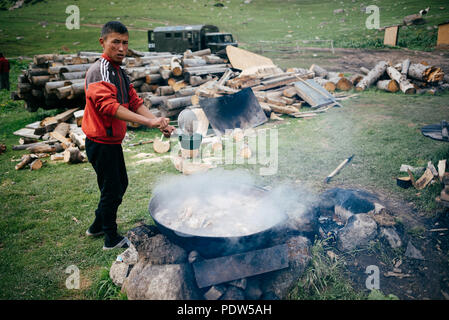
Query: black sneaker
[94,233]
[119,242]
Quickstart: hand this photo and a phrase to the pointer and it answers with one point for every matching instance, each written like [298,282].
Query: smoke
[226,203]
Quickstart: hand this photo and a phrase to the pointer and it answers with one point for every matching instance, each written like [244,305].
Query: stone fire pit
[155,268]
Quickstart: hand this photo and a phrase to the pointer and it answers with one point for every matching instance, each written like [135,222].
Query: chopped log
[319,72]
[193,62]
[203,72]
[160,146]
[422,72]
[176,103]
[165,91]
[40,81]
[73,155]
[212,59]
[290,92]
[36,72]
[26,159]
[70,68]
[178,85]
[405,67]
[52,86]
[26,146]
[78,117]
[63,92]
[175,67]
[43,58]
[57,156]
[73,75]
[157,100]
[326,84]
[388,85]
[66,115]
[276,83]
[199,53]
[372,76]
[24,88]
[36,164]
[153,78]
[63,129]
[364,70]
[25,140]
[197,80]
[342,83]
[79,140]
[37,93]
[355,79]
[185,92]
[66,143]
[400,78]
[27,133]
[146,87]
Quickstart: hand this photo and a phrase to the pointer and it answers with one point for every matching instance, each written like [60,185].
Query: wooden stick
[337,170]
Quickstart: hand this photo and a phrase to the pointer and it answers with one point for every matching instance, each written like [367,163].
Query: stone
[130,255]
[392,237]
[282,281]
[357,233]
[412,252]
[378,208]
[160,282]
[336,11]
[160,250]
[118,272]
[214,293]
[342,214]
[140,235]
[240,283]
[253,291]
[233,293]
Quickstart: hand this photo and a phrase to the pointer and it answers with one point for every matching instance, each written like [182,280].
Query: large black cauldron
[209,246]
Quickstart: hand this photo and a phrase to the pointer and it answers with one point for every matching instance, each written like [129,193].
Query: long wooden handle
[340,166]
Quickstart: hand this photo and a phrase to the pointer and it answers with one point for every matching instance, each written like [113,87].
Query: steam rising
[222,203]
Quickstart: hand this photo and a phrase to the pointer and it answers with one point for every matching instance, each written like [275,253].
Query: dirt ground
[413,279]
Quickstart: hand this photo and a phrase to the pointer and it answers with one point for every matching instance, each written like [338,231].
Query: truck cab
[177,39]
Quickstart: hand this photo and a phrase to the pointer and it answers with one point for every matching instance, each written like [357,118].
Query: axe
[337,170]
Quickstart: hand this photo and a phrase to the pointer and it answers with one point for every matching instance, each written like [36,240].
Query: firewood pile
[405,76]
[59,137]
[167,82]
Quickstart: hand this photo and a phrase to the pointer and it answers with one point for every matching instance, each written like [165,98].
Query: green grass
[324,278]
[39,237]
[268,20]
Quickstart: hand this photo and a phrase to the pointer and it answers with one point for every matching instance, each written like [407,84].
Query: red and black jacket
[107,87]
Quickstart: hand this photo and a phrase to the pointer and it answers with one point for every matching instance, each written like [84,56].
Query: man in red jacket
[111,100]
[4,72]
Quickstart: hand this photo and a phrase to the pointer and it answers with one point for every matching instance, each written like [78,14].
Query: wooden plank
[243,59]
[391,36]
[214,271]
[443,35]
[27,133]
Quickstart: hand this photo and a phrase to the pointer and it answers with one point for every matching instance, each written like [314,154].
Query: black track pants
[109,164]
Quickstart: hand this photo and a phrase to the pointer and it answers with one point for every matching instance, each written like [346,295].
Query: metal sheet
[242,265]
[313,93]
[238,110]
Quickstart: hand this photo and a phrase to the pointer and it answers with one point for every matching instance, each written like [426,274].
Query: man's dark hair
[113,26]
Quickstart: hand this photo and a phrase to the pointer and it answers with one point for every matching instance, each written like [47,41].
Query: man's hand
[167,131]
[159,123]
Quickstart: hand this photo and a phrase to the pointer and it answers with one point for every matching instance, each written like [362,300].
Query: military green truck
[177,39]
